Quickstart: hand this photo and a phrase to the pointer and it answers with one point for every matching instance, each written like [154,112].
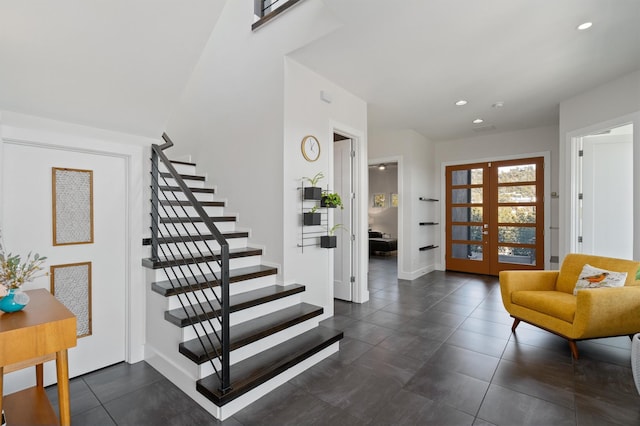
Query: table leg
[39,375]
[62,369]
[1,386]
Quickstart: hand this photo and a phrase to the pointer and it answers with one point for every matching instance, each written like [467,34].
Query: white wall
[609,105]
[306,114]
[416,178]
[230,119]
[522,143]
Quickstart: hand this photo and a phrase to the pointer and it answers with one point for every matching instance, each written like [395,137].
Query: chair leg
[516,321]
[574,348]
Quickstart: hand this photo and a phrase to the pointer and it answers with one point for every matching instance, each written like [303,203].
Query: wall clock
[310,148]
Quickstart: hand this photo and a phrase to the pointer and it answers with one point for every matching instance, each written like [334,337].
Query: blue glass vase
[14,301]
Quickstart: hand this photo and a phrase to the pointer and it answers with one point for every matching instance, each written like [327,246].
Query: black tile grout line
[98,399]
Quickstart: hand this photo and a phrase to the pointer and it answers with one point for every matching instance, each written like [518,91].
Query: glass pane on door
[467,251]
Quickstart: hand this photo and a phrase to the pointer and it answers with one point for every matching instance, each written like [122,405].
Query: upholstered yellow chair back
[573,263]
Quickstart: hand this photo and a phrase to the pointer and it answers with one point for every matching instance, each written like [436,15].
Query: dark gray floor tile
[460,360]
[397,367]
[386,319]
[523,353]
[350,350]
[337,322]
[506,407]
[552,382]
[121,379]
[594,411]
[97,416]
[453,308]
[483,344]
[429,330]
[81,398]
[410,345]
[153,404]
[457,390]
[487,328]
[407,408]
[290,405]
[367,332]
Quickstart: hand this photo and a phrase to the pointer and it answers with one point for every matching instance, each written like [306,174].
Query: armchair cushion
[592,277]
[554,303]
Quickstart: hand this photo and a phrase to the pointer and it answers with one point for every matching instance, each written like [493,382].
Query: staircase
[218,324]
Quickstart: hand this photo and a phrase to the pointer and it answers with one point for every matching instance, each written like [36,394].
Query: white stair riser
[199,269]
[188,211]
[181,228]
[176,195]
[203,246]
[239,317]
[183,169]
[251,349]
[168,181]
[208,294]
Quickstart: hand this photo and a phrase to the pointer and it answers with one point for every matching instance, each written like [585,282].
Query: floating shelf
[429,247]
[428,223]
[427,199]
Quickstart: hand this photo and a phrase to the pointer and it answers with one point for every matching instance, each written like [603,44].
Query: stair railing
[180,227]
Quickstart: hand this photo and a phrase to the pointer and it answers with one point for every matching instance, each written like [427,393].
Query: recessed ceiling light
[498,104]
[382,167]
[461,102]
[478,121]
[585,25]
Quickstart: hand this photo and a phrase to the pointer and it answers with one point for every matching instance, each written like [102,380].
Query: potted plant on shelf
[331,240]
[313,192]
[312,217]
[331,200]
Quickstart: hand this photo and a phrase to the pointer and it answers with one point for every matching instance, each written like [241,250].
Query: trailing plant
[331,231]
[14,272]
[332,199]
[314,180]
[313,209]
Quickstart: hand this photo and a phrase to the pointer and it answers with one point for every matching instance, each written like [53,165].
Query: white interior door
[607,200]
[343,253]
[27,226]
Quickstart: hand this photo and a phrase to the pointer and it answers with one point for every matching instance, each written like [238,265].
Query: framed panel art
[379,200]
[72,206]
[71,285]
[394,199]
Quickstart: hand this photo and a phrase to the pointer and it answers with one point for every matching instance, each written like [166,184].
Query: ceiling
[411,60]
[123,65]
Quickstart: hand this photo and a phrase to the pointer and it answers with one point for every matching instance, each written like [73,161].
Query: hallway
[437,350]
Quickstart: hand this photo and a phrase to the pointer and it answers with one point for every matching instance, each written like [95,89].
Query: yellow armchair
[545,299]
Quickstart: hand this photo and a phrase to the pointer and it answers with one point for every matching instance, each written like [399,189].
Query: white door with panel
[27,225]
[607,196]
[344,252]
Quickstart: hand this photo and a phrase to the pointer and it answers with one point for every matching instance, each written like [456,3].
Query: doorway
[604,190]
[344,257]
[495,216]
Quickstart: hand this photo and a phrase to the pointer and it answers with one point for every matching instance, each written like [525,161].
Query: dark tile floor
[434,351]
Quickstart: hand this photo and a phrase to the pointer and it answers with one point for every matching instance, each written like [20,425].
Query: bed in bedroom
[379,244]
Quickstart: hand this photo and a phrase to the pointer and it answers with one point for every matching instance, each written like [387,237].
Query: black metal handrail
[266,10]
[181,260]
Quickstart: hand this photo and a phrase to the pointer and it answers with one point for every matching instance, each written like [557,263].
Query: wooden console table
[41,332]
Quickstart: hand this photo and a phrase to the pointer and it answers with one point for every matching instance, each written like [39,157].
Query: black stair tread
[178,260]
[185,177]
[189,238]
[237,302]
[186,163]
[197,219]
[250,331]
[188,203]
[165,288]
[178,189]
[256,370]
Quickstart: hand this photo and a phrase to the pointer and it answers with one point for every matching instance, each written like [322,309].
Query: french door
[495,216]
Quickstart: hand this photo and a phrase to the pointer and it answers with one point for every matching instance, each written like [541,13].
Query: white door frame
[359,291]
[135,296]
